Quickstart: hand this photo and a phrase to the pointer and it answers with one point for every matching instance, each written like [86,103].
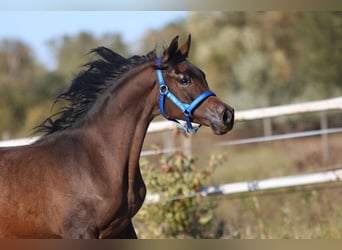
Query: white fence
[267,184]
[324,105]
[264,113]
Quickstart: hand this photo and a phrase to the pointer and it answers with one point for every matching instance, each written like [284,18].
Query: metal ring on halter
[163,90]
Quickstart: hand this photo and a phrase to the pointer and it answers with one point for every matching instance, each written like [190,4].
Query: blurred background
[251,60]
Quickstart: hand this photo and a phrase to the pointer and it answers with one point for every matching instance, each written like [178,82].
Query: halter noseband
[184,107]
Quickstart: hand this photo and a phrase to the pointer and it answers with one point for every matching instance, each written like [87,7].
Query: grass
[291,213]
[311,214]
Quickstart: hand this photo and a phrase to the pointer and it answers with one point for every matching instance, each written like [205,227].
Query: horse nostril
[227,116]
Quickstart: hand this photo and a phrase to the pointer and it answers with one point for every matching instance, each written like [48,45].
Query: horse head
[185,94]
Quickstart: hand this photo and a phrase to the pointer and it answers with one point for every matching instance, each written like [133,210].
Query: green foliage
[159,39]
[71,51]
[321,34]
[27,88]
[182,213]
[257,59]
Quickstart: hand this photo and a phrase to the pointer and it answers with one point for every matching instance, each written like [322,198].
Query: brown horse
[81,179]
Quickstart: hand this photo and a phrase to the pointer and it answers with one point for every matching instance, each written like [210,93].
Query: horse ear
[184,49]
[171,50]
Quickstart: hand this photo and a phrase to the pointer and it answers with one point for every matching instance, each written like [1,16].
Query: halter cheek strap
[184,107]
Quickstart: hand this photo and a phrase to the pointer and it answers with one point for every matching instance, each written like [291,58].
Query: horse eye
[185,80]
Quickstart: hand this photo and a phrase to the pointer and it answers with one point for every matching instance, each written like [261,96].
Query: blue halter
[184,107]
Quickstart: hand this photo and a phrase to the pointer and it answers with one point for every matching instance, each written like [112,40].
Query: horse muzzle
[224,122]
[219,116]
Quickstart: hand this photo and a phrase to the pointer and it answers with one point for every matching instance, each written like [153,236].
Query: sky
[36,28]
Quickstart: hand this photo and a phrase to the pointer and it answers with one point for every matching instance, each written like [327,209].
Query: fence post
[324,137]
[267,124]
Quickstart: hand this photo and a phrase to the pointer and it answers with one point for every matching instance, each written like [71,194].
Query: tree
[71,51]
[268,58]
[159,39]
[19,72]
[320,66]
[17,63]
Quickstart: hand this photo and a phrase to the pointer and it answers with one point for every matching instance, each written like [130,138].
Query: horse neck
[122,117]
[122,125]
[129,107]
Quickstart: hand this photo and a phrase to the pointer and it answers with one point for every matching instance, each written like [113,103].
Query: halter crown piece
[184,107]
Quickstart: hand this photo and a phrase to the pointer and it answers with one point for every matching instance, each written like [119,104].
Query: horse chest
[118,223]
[123,201]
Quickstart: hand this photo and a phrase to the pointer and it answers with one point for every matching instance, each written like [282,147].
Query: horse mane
[88,85]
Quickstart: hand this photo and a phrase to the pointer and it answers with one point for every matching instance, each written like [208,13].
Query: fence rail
[315,106]
[247,187]
[248,141]
[267,184]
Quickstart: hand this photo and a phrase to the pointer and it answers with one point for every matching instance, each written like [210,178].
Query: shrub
[182,212]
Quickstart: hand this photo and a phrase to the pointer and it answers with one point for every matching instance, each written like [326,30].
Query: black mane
[88,85]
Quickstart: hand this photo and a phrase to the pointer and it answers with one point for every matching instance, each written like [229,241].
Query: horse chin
[220,128]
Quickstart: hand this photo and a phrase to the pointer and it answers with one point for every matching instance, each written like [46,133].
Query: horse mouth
[219,129]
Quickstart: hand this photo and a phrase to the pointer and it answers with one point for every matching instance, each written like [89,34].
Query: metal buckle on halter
[190,129]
